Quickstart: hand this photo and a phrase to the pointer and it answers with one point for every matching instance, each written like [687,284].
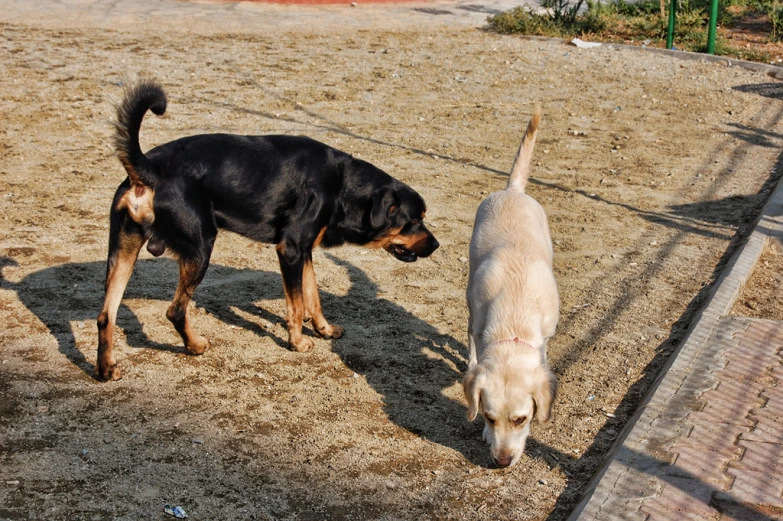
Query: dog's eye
[520,421]
[415,222]
[490,420]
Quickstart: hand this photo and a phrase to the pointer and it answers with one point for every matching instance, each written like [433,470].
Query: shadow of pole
[684,222]
[579,346]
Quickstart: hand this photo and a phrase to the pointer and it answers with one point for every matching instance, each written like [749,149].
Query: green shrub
[562,11]
[650,27]
[642,19]
[520,20]
[691,30]
[593,21]
[642,8]
[775,13]
[599,8]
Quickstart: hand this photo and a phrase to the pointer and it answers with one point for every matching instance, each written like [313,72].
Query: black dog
[290,191]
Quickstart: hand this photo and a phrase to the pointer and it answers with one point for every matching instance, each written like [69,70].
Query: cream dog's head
[509,396]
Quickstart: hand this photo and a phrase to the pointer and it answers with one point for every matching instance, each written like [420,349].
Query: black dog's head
[397,215]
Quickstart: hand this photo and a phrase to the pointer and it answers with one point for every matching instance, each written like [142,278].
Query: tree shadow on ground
[581,470]
[679,218]
[772,90]
[727,212]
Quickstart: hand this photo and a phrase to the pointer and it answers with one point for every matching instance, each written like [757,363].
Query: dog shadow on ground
[408,362]
[69,296]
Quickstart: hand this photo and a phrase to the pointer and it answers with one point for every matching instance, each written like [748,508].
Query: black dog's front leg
[292,261]
[313,304]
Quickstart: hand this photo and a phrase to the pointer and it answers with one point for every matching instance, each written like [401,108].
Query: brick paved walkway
[725,462]
[707,444]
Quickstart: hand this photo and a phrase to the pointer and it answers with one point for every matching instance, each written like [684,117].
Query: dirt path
[648,167]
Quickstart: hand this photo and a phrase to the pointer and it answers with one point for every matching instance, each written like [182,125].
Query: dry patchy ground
[649,169]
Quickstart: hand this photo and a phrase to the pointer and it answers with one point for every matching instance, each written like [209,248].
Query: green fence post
[713,27]
[672,20]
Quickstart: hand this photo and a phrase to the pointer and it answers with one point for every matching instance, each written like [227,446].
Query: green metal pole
[713,27]
[672,20]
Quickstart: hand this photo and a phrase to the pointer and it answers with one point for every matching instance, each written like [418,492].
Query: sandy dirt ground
[760,297]
[650,169]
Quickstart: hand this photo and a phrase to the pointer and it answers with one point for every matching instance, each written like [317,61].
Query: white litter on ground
[584,45]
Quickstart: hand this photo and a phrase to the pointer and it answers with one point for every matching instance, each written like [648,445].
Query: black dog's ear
[384,205]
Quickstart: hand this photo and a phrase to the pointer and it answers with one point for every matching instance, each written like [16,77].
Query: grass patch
[520,20]
[645,21]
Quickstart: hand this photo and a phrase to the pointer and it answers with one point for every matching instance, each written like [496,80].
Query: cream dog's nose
[503,460]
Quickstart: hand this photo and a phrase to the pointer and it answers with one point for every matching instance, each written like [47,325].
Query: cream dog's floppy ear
[470,384]
[545,394]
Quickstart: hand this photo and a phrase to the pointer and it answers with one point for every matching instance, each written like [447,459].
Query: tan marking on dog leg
[312,303]
[307,314]
[119,272]
[190,274]
[294,307]
[320,237]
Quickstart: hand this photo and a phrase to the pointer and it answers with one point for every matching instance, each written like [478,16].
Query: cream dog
[514,307]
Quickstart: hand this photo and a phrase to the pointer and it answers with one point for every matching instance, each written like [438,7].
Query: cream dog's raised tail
[521,169]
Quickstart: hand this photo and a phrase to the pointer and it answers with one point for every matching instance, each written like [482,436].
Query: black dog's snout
[431,245]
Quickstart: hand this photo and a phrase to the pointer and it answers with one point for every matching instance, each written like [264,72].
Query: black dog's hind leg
[292,261]
[125,241]
[191,273]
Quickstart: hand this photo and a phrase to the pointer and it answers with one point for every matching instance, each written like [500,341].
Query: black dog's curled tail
[140,97]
